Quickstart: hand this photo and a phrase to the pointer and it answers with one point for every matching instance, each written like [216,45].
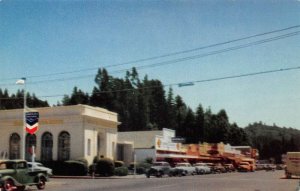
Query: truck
[292,164]
[15,175]
[247,165]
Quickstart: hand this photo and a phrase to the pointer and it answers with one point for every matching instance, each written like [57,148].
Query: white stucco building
[65,132]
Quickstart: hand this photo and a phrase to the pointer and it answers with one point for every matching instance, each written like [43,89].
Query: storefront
[65,132]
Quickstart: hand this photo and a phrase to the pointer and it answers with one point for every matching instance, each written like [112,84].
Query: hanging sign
[32,119]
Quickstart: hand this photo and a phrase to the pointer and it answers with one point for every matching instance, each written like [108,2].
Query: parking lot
[252,181]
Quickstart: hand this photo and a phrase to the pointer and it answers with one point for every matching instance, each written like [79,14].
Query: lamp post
[22,81]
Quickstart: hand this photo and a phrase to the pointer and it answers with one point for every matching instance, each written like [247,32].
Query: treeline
[273,141]
[16,101]
[143,104]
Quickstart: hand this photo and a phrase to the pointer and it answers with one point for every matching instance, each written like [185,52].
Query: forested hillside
[272,141]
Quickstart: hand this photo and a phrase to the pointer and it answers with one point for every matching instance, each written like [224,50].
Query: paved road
[256,181]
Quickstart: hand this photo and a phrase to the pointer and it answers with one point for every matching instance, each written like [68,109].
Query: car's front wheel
[41,184]
[9,185]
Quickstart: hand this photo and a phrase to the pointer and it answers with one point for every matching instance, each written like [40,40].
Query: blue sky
[38,38]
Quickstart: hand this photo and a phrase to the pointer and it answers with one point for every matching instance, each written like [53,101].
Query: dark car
[176,172]
[159,169]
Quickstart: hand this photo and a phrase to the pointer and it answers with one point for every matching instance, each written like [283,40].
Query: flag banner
[32,119]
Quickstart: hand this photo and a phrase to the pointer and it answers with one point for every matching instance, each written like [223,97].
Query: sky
[57,45]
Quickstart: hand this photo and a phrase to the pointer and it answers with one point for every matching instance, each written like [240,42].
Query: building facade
[65,133]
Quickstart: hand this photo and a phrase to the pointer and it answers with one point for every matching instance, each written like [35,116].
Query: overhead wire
[255,43]
[161,56]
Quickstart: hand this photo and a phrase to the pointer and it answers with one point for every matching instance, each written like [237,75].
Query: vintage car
[202,168]
[187,168]
[244,167]
[216,168]
[15,175]
[39,166]
[159,169]
[229,167]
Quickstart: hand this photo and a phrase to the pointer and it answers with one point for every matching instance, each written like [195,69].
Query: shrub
[76,168]
[149,160]
[58,167]
[119,164]
[105,167]
[92,169]
[141,168]
[121,171]
[83,160]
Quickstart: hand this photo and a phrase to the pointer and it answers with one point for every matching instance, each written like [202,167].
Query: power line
[255,43]
[162,56]
[216,52]
[189,82]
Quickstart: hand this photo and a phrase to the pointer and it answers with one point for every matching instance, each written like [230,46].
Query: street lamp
[22,82]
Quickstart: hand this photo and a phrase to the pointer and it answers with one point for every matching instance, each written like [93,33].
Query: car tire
[9,185]
[41,184]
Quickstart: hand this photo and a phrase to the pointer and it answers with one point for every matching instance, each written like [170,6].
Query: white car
[187,168]
[202,168]
[39,166]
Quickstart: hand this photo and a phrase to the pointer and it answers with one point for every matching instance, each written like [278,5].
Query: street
[256,181]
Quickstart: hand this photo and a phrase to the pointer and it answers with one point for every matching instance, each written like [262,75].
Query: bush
[83,160]
[119,164]
[149,160]
[121,171]
[76,168]
[67,168]
[105,167]
[141,168]
[58,167]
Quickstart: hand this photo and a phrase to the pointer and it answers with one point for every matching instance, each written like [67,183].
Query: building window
[30,141]
[89,147]
[47,146]
[64,146]
[14,146]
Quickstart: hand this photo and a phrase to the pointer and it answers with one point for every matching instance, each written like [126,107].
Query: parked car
[229,167]
[39,166]
[15,175]
[270,167]
[176,172]
[219,168]
[159,169]
[244,167]
[202,168]
[187,168]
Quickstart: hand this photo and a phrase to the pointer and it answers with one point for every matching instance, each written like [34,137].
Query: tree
[199,123]
[181,110]
[189,128]
[77,97]
[102,95]
[171,112]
